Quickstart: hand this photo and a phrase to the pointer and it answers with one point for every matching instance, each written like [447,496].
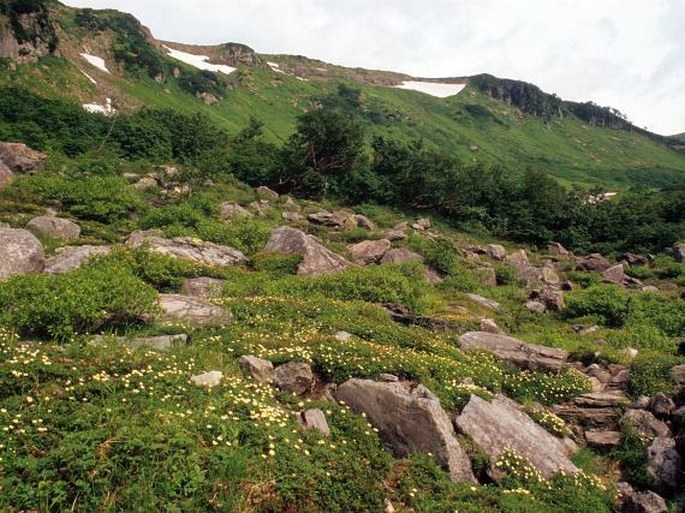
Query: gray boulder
[395,235]
[615,274]
[262,371]
[294,377]
[314,418]
[316,258]
[19,158]
[192,311]
[265,192]
[514,351]
[20,253]
[336,219]
[187,248]
[664,464]
[593,262]
[55,227]
[597,409]
[364,222]
[208,379]
[661,405]
[602,439]
[410,419]
[487,277]
[557,249]
[72,257]
[501,425]
[291,216]
[202,287]
[400,256]
[640,502]
[369,251]
[490,304]
[644,424]
[229,210]
[677,252]
[495,251]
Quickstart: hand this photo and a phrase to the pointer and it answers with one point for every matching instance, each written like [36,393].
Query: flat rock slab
[514,351]
[411,420]
[20,253]
[369,251]
[501,425]
[187,248]
[55,227]
[317,260]
[208,379]
[190,311]
[72,257]
[483,301]
[603,439]
[202,287]
[262,371]
[162,342]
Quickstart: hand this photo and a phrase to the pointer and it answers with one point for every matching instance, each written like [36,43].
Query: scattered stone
[663,464]
[187,248]
[536,306]
[395,235]
[202,287]
[603,440]
[364,222]
[518,259]
[334,219]
[487,276]
[548,276]
[661,405]
[422,224]
[500,425]
[410,419]
[495,251]
[343,336]
[557,249]
[261,207]
[369,251]
[208,379]
[316,258]
[514,351]
[190,311]
[72,257]
[55,227]
[593,262]
[490,326]
[265,192]
[262,371]
[615,274]
[645,502]
[483,301]
[631,352]
[293,216]
[400,256]
[230,210]
[598,409]
[644,424]
[314,418]
[19,158]
[294,377]
[20,253]
[552,298]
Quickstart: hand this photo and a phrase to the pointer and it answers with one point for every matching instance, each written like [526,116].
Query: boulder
[593,262]
[208,379]
[518,259]
[343,336]
[19,158]
[364,222]
[483,301]
[72,257]
[314,418]
[265,192]
[552,298]
[501,425]
[187,248]
[643,502]
[395,235]
[644,424]
[663,465]
[316,258]
[202,287]
[410,419]
[230,210]
[369,251]
[549,276]
[293,216]
[333,219]
[514,351]
[632,259]
[262,371]
[604,440]
[661,405]
[490,326]
[55,227]
[557,249]
[536,306]
[486,276]
[20,253]
[615,274]
[495,251]
[191,311]
[294,377]
[400,256]
[677,252]
[422,224]
[597,409]
[261,207]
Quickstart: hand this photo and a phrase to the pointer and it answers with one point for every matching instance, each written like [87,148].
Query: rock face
[663,464]
[208,379]
[294,377]
[594,409]
[314,418]
[495,251]
[19,158]
[615,274]
[316,258]
[265,192]
[400,255]
[206,253]
[369,251]
[645,502]
[202,287]
[72,257]
[501,425]
[644,424]
[410,420]
[336,219]
[233,210]
[593,262]
[262,371]
[55,227]
[20,253]
[603,439]
[514,351]
[190,311]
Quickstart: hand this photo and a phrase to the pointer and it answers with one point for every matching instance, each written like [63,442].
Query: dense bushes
[89,299]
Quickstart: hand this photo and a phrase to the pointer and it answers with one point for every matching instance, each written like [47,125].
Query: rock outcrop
[294,377]
[369,251]
[233,210]
[201,252]
[20,253]
[501,425]
[55,227]
[514,351]
[190,311]
[410,419]
[262,371]
[202,287]
[316,258]
[72,257]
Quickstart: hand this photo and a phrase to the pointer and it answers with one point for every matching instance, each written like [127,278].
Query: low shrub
[651,373]
[607,303]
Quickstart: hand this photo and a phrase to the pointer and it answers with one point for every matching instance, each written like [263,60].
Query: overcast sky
[628,54]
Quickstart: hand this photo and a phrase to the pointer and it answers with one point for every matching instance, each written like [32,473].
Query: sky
[627,54]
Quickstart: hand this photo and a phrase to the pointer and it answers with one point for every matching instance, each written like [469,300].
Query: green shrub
[607,303]
[275,264]
[651,373]
[507,275]
[667,315]
[438,254]
[639,272]
[584,279]
[86,300]
[631,453]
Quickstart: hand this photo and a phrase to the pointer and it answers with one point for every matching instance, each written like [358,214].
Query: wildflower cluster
[548,420]
[547,388]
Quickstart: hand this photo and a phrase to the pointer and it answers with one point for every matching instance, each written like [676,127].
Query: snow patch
[198,61]
[273,65]
[96,61]
[89,77]
[105,109]
[439,90]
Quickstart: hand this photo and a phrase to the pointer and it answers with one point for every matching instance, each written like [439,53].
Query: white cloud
[623,53]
